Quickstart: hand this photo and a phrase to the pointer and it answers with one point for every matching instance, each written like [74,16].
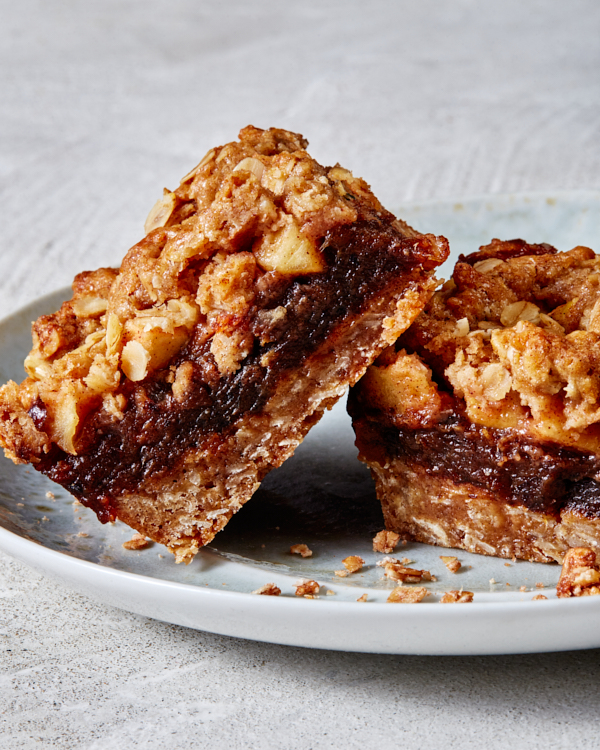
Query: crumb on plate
[300,549]
[385,541]
[580,574]
[353,563]
[307,588]
[137,541]
[457,597]
[452,563]
[407,595]
[269,589]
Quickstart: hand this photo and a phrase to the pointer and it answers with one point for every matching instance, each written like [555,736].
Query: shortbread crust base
[436,510]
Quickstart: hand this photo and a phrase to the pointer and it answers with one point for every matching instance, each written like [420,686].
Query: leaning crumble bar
[481,426]
[163,392]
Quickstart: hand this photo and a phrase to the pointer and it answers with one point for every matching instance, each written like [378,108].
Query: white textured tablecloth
[102,104]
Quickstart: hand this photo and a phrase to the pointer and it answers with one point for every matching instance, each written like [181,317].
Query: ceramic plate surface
[322,497]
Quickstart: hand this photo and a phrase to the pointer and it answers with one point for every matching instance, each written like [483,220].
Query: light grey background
[102,104]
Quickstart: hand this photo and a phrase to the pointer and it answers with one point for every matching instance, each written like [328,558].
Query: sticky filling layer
[156,429]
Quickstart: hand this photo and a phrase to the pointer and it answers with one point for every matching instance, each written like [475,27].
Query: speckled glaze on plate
[322,497]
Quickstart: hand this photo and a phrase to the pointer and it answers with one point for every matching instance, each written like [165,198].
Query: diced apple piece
[289,252]
[405,390]
[89,306]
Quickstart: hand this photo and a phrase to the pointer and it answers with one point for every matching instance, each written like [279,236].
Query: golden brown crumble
[308,589]
[452,563]
[128,323]
[341,573]
[269,589]
[518,338]
[385,541]
[457,597]
[580,574]
[539,597]
[353,563]
[137,541]
[540,585]
[407,595]
[362,598]
[300,549]
[182,324]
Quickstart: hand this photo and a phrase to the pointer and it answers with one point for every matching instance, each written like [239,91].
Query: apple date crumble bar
[481,425]
[163,392]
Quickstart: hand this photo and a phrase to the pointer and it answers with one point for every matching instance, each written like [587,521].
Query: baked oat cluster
[164,391]
[481,424]
[580,574]
[516,334]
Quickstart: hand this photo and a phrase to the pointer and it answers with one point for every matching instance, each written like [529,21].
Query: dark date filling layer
[156,430]
[515,469]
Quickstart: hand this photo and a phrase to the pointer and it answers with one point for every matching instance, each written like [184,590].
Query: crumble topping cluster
[516,334]
[249,213]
